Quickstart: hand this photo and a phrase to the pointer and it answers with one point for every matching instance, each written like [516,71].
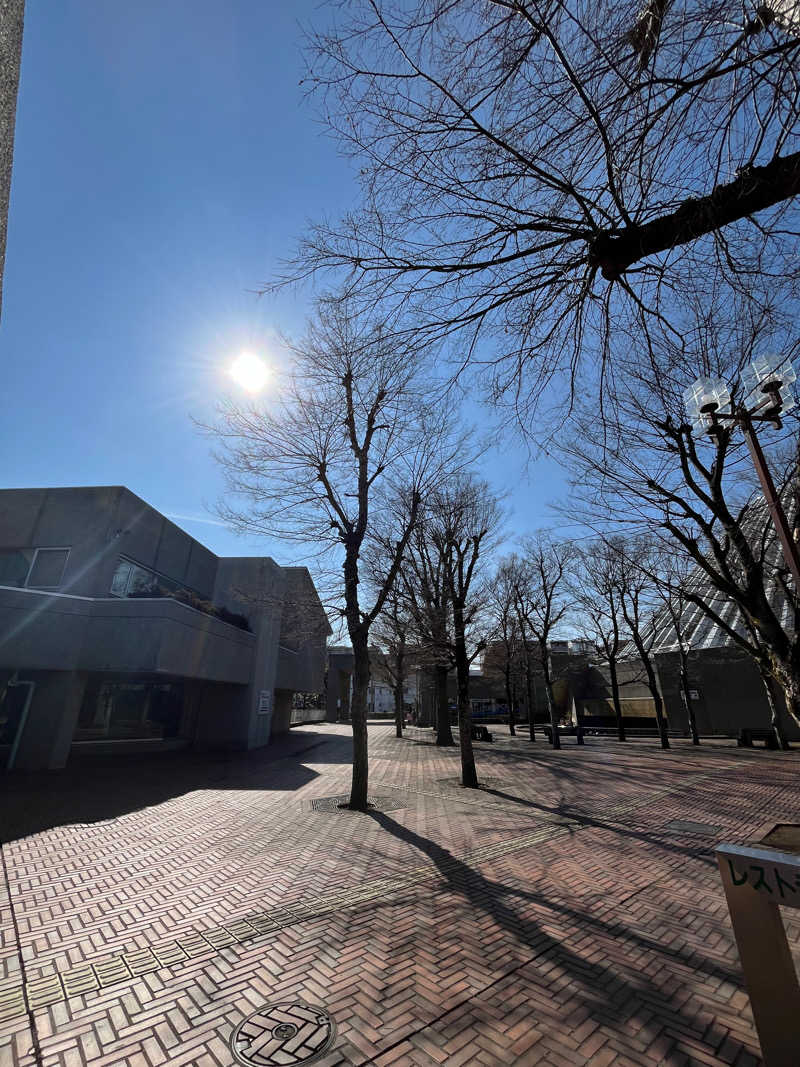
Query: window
[47,569]
[142,583]
[118,711]
[132,580]
[15,564]
[119,583]
[37,568]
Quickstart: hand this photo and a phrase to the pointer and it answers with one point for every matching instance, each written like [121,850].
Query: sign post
[758,882]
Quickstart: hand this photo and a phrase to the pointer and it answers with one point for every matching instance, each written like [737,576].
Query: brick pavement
[551,918]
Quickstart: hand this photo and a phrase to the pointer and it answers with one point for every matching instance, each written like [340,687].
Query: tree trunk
[579,723]
[555,740]
[444,735]
[753,190]
[775,718]
[687,698]
[510,701]
[531,696]
[398,709]
[358,717]
[790,684]
[612,670]
[658,703]
[469,774]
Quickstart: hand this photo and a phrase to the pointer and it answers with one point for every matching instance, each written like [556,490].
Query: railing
[301,715]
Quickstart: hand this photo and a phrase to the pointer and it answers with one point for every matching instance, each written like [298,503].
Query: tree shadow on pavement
[598,823]
[606,991]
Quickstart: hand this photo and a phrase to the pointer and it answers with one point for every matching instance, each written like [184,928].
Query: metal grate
[338,805]
[686,826]
[283,1034]
[483,783]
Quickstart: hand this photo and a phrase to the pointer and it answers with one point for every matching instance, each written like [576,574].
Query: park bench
[749,735]
[563,731]
[480,733]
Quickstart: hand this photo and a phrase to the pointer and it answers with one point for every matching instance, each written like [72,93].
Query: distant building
[119,631]
[380,693]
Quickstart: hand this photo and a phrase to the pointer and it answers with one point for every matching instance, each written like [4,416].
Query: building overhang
[56,631]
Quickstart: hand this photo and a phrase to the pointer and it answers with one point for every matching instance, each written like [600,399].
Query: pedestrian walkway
[568,912]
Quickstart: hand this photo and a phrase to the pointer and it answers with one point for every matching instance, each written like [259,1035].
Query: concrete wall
[255,587]
[99,524]
[81,628]
[52,716]
[730,693]
[45,631]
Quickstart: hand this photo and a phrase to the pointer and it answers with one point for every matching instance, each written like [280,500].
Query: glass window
[119,583]
[141,582]
[117,711]
[132,580]
[14,565]
[48,568]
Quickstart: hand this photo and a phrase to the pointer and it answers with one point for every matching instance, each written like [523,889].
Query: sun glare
[249,372]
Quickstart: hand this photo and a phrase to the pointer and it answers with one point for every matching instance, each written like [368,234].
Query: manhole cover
[339,804]
[279,1035]
[686,826]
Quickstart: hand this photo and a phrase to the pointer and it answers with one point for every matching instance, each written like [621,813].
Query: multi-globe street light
[768,395]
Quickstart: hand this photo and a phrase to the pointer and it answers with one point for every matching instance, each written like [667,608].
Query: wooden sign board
[758,882]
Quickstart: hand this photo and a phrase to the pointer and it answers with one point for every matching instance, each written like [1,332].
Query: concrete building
[119,631]
[380,694]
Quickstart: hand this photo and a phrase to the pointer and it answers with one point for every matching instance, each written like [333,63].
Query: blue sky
[165,161]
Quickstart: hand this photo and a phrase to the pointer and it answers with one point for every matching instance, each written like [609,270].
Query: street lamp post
[769,392]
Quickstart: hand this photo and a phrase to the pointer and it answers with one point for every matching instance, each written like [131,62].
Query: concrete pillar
[52,718]
[282,715]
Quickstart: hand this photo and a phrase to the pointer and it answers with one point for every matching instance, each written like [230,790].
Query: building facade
[120,632]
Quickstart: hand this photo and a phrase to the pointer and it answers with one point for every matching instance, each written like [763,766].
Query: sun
[250,372]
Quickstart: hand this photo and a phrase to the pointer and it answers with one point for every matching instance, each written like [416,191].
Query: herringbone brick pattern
[551,918]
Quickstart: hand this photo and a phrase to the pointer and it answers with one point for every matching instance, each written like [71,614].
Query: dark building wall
[78,626]
[729,690]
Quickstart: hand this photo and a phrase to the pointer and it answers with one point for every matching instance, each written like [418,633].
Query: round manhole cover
[280,1035]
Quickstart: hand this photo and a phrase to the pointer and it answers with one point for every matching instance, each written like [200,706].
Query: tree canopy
[538,175]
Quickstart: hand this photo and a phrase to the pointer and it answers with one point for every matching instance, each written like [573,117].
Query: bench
[748,736]
[480,733]
[563,731]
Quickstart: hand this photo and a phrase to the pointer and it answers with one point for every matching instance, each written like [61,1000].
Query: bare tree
[595,591]
[638,598]
[542,604]
[348,443]
[392,629]
[675,578]
[511,578]
[506,635]
[543,173]
[423,580]
[464,516]
[640,465]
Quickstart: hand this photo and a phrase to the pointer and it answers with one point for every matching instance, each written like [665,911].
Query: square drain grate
[337,805]
[686,826]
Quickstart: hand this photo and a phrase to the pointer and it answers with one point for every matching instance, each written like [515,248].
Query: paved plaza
[569,912]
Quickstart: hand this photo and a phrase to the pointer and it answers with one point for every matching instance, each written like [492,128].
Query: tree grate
[483,783]
[338,805]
